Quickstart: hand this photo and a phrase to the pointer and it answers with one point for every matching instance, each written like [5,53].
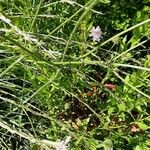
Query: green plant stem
[101,63]
[77,24]
[37,56]
[30,123]
[55,76]
[11,66]
[44,143]
[79,62]
[32,24]
[139,44]
[57,28]
[41,114]
[117,35]
[42,87]
[132,66]
[131,86]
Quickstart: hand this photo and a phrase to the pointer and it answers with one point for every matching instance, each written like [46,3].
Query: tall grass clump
[74,75]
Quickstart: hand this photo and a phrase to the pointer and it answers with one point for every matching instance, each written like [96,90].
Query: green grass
[58,86]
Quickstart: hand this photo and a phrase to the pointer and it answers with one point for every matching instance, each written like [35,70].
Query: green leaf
[122,106]
[104,1]
[110,110]
[142,126]
[108,144]
[138,148]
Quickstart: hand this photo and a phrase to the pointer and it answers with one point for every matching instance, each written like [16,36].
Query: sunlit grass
[59,88]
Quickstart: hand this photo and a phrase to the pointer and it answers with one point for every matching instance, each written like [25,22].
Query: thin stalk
[67,20]
[32,24]
[77,24]
[37,113]
[28,109]
[73,3]
[131,86]
[13,131]
[42,87]
[120,55]
[101,63]
[55,76]
[11,66]
[30,123]
[132,66]
[117,35]
[32,139]
[94,11]
[26,50]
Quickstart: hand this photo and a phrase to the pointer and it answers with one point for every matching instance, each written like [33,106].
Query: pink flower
[96,33]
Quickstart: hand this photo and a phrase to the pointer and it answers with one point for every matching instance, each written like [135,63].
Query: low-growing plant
[74,75]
